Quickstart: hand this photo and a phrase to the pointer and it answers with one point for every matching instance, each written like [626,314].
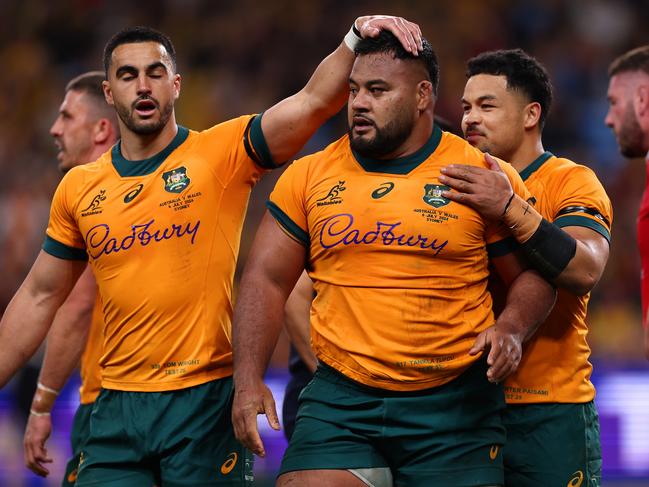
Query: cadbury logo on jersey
[99,240]
[176,180]
[339,230]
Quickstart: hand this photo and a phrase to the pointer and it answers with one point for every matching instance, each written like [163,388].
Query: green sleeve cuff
[62,251]
[582,221]
[259,144]
[289,225]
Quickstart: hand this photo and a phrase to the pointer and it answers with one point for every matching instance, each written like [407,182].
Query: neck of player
[138,147]
[418,137]
[526,153]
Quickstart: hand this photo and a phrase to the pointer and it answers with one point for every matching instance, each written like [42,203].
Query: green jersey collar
[127,168]
[535,165]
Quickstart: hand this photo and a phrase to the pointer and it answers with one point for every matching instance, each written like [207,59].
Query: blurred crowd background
[241,57]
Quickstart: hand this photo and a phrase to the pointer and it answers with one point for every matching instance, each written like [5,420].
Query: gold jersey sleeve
[63,237]
[555,365]
[400,271]
[162,237]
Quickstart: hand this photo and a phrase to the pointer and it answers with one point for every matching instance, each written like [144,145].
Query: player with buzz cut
[551,420]
[410,357]
[85,128]
[159,219]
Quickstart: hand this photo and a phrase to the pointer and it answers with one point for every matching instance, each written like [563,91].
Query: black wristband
[550,249]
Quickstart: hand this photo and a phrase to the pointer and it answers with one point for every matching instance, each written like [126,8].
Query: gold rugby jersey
[555,366]
[400,272]
[162,237]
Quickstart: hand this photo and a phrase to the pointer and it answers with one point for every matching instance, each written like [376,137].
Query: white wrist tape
[352,38]
[36,413]
[47,389]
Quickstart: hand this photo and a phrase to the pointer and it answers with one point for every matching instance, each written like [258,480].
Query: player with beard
[302,362]
[628,116]
[402,313]
[566,237]
[159,218]
[85,128]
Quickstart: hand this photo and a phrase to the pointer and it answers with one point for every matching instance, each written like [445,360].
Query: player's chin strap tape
[550,249]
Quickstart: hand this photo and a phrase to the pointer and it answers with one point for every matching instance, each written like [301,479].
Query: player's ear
[108,94]
[642,100]
[102,131]
[532,115]
[177,83]
[424,95]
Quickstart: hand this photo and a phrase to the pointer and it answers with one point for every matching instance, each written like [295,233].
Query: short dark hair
[522,71]
[89,83]
[634,60]
[131,35]
[386,42]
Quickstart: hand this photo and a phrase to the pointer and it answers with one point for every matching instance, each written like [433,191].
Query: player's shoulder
[459,151]
[326,158]
[83,178]
[233,124]
[563,171]
[90,170]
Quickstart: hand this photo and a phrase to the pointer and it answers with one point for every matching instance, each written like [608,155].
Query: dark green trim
[402,165]
[259,144]
[582,221]
[535,165]
[127,168]
[289,225]
[62,251]
[502,247]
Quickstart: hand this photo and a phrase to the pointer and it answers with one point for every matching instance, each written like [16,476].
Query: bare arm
[66,340]
[585,269]
[296,320]
[488,191]
[289,124]
[65,344]
[530,299]
[273,267]
[29,315]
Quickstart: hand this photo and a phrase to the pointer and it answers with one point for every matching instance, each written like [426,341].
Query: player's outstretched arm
[530,299]
[29,315]
[296,320]
[66,341]
[272,269]
[290,123]
[572,258]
